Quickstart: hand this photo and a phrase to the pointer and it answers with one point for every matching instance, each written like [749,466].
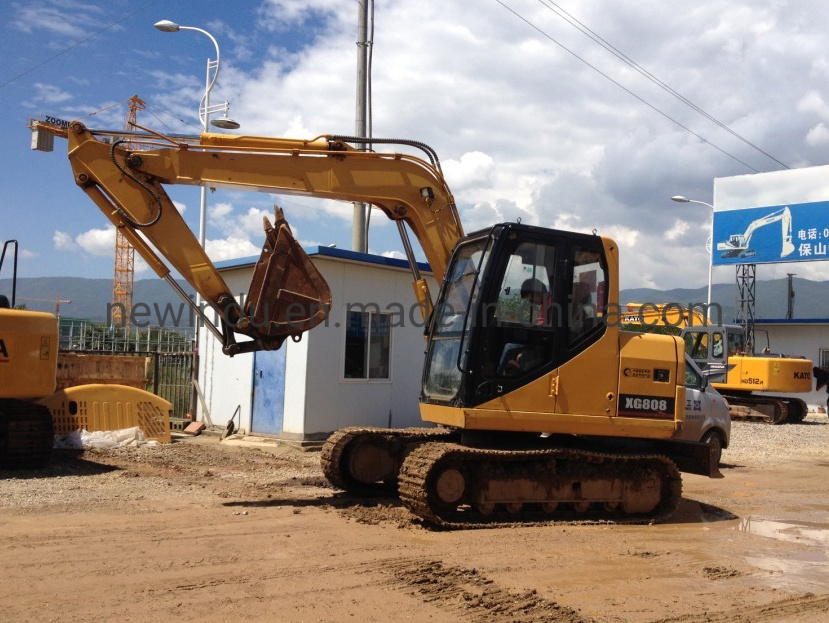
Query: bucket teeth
[287,294]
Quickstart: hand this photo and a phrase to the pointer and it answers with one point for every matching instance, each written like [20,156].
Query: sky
[532,118]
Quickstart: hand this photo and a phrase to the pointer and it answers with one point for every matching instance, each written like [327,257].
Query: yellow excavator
[748,381]
[28,366]
[545,411]
[32,412]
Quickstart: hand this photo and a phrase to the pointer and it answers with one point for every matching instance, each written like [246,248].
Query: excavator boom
[287,295]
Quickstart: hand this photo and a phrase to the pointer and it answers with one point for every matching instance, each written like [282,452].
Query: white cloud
[55,16]
[99,242]
[230,248]
[677,231]
[818,135]
[252,221]
[396,255]
[63,241]
[219,211]
[49,94]
[473,168]
[95,242]
[812,102]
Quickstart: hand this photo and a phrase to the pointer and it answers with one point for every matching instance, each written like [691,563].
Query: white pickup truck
[706,411]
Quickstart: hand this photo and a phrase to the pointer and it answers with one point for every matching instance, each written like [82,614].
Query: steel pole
[358,234]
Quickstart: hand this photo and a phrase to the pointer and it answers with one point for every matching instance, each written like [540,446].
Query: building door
[268,391]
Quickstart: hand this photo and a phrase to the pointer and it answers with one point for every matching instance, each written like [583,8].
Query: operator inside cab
[519,357]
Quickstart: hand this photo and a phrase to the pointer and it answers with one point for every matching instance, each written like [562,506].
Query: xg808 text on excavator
[546,411]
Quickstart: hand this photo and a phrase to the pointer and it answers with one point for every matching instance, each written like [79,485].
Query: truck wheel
[713,439]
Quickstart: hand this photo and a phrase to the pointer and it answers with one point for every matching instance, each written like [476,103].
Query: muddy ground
[200,530]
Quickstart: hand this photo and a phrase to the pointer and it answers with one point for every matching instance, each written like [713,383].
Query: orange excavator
[581,426]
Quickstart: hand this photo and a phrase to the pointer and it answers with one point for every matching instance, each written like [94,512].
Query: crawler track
[26,434]
[767,409]
[365,461]
[455,486]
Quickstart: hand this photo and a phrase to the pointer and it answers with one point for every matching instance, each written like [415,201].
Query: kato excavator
[748,381]
[544,410]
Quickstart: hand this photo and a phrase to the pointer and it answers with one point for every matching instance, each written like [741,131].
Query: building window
[823,354]
[367,345]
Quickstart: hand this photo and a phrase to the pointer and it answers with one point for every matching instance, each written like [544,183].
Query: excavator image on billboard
[739,245]
[544,411]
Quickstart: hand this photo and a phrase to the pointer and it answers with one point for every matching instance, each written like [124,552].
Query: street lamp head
[680,199]
[225,123]
[166,25]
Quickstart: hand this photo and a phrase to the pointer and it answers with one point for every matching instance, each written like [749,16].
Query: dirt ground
[200,530]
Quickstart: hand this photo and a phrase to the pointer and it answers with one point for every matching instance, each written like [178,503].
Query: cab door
[519,325]
[588,371]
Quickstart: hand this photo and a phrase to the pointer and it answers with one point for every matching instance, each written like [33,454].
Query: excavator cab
[518,301]
[711,346]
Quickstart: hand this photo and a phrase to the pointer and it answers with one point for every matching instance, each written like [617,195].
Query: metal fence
[172,353]
[173,381]
[83,335]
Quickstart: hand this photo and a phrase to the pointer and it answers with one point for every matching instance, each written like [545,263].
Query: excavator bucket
[287,294]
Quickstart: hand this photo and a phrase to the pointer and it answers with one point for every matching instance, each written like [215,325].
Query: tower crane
[57,301]
[124,277]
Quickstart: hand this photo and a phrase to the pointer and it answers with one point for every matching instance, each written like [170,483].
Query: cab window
[588,293]
[717,346]
[692,379]
[736,343]
[522,331]
[696,345]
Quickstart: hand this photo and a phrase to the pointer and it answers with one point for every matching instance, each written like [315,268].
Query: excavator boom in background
[545,410]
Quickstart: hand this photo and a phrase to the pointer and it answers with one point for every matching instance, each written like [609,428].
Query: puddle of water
[801,532]
[808,566]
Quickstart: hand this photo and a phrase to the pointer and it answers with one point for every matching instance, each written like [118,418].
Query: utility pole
[358,234]
[790,307]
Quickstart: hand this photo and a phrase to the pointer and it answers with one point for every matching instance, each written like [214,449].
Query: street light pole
[710,245]
[204,106]
[225,123]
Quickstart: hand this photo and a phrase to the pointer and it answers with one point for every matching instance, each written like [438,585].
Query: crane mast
[124,278]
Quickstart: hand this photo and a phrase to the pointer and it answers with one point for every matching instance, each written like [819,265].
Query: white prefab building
[808,337]
[361,367]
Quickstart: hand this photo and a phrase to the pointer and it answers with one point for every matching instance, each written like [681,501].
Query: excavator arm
[125,175]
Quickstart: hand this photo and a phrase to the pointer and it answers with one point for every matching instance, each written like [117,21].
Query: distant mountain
[90,296]
[771,299]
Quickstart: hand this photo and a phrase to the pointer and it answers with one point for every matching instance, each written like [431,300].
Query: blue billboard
[796,232]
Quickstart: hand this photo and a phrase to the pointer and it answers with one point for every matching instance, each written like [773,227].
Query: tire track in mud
[808,605]
[469,592]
